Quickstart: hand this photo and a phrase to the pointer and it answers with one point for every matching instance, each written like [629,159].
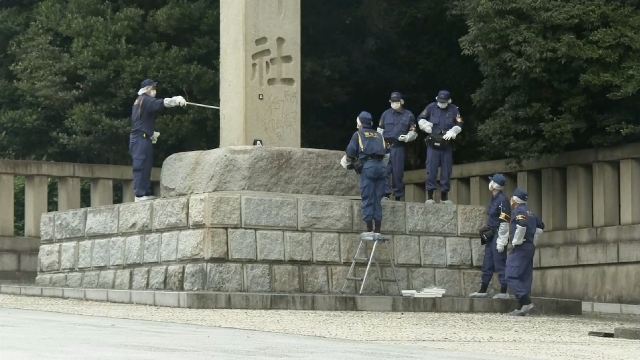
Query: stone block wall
[255,242]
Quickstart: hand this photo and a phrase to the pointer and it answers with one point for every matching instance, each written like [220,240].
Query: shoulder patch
[424,113]
[459,119]
[521,217]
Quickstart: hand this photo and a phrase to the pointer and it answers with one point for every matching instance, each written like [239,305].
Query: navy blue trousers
[141,150]
[494,262]
[519,271]
[372,182]
[439,158]
[395,169]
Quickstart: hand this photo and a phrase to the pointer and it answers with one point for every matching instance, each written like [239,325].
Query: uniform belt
[141,134]
[394,142]
[374,157]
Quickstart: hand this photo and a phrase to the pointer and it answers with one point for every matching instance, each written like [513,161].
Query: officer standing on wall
[367,155]
[398,126]
[442,122]
[526,227]
[143,135]
[497,238]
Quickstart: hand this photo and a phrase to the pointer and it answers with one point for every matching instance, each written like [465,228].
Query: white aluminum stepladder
[351,276]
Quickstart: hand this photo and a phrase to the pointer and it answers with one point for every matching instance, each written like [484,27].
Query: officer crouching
[526,227]
[366,154]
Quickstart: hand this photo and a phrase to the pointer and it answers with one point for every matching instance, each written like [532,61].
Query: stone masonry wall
[255,242]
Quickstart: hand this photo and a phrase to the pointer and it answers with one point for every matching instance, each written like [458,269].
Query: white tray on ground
[433,292]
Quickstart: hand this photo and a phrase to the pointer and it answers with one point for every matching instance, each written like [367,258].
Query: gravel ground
[536,337]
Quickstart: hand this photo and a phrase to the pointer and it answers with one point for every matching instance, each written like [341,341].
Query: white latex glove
[175,101]
[154,138]
[536,237]
[344,162]
[412,135]
[402,138]
[425,126]
[518,236]
[449,135]
[500,248]
[381,131]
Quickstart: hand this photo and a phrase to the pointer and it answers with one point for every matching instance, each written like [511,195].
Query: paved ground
[202,334]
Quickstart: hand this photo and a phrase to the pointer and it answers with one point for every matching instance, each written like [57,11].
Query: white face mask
[490,187]
[152,93]
[358,124]
[396,105]
[442,105]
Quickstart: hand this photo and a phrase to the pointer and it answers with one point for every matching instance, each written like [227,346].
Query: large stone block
[326,247]
[337,276]
[102,220]
[169,247]
[271,212]
[47,227]
[59,280]
[140,278]
[135,217]
[393,217]
[433,250]
[257,277]
[286,278]
[471,219]
[194,276]
[133,249]
[222,210]
[450,280]
[317,213]
[224,277]
[49,257]
[90,279]
[315,279]
[191,244]
[100,253]
[42,280]
[298,246]
[122,280]
[170,213]
[598,254]
[257,168]
[74,280]
[432,219]
[106,279]
[349,246]
[403,280]
[242,244]
[471,281]
[152,248]
[477,252]
[116,251]
[70,224]
[174,277]
[218,244]
[407,249]
[629,251]
[372,285]
[458,252]
[197,205]
[156,277]
[85,249]
[558,256]
[68,255]
[270,245]
[422,278]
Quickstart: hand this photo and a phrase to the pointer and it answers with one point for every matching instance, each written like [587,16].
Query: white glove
[536,237]
[412,135]
[451,134]
[344,162]
[518,236]
[154,138]
[425,126]
[175,101]
[500,248]
[381,131]
[402,138]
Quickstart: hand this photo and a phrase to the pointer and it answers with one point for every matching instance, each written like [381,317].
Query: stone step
[318,302]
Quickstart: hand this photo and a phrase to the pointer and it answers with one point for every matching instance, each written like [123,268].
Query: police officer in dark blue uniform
[442,122]
[496,234]
[143,135]
[526,228]
[397,125]
[367,154]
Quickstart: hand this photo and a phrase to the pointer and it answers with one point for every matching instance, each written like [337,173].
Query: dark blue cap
[498,179]
[147,82]
[444,96]
[395,96]
[520,194]
[365,118]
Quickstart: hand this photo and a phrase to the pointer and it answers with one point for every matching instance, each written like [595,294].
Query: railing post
[629,192]
[512,184]
[480,194]
[579,197]
[36,199]
[606,194]
[460,191]
[156,189]
[6,205]
[101,192]
[69,193]
[415,193]
[127,191]
[554,199]
[531,182]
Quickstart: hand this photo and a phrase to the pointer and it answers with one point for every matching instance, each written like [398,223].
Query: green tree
[558,75]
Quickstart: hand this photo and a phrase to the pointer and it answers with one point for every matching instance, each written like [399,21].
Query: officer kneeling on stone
[495,237]
[367,155]
[526,227]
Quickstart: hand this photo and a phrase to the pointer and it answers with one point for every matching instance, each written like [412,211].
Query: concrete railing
[576,190]
[69,176]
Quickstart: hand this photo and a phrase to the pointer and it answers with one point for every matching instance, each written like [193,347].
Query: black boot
[444,196]
[378,225]
[369,226]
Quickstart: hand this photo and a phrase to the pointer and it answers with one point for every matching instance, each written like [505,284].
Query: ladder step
[354,278]
[361,259]
[388,280]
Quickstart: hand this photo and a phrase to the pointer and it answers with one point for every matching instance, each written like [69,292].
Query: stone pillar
[36,199]
[531,182]
[101,192]
[260,72]
[6,204]
[579,197]
[156,189]
[127,191]
[479,190]
[554,199]
[606,194]
[460,192]
[415,193]
[629,192]
[512,184]
[69,189]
